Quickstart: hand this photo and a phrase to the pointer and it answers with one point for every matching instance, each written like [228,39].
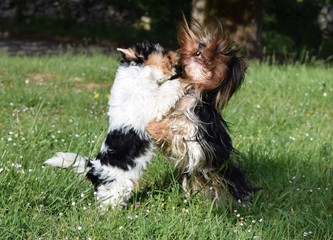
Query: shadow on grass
[285,182]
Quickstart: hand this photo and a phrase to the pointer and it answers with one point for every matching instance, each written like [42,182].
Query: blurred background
[286,30]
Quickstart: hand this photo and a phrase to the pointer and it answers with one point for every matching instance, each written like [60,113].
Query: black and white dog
[140,93]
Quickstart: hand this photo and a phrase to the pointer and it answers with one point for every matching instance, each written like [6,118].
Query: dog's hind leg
[115,183]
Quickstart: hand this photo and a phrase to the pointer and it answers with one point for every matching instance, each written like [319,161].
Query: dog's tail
[237,182]
[69,160]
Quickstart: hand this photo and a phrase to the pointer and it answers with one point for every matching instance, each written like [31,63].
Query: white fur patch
[196,71]
[137,98]
[120,182]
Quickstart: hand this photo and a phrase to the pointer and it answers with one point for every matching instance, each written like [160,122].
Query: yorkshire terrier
[193,132]
[140,93]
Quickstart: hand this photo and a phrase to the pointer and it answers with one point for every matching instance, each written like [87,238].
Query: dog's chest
[133,96]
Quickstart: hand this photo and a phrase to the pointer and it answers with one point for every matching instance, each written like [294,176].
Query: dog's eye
[198,53]
[202,45]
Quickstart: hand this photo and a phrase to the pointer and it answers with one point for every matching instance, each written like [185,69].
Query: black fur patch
[142,50]
[178,72]
[237,183]
[93,176]
[214,131]
[123,148]
[209,97]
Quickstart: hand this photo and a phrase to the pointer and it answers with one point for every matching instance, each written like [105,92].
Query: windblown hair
[210,62]
[194,133]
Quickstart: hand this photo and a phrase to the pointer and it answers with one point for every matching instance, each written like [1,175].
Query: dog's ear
[236,71]
[127,54]
[237,68]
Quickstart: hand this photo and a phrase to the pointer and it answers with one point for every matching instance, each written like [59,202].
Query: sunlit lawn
[281,122]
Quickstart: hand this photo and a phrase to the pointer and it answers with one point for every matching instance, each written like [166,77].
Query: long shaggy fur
[194,132]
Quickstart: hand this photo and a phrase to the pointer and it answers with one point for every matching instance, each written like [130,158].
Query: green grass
[281,122]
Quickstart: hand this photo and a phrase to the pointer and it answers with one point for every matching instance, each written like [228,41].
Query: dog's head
[150,54]
[210,62]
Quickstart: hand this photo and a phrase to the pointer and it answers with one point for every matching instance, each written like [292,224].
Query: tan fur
[204,69]
[166,63]
[175,134]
